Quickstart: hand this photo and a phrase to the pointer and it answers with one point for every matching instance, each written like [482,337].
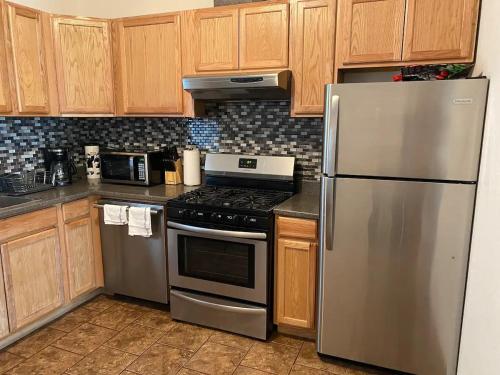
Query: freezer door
[392,285]
[421,130]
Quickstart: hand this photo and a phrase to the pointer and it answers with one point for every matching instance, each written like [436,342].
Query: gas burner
[233,198]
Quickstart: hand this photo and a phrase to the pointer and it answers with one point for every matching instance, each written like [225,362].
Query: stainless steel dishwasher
[135,266]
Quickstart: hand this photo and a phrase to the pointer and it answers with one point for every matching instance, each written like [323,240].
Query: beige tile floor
[114,336]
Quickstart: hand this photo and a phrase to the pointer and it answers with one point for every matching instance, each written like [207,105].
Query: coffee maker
[60,164]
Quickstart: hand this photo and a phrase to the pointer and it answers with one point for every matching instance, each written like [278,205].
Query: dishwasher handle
[154,211]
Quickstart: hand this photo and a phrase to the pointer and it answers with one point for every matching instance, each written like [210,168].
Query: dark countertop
[81,189]
[304,204]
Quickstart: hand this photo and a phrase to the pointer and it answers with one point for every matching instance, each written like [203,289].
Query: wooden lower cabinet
[79,256]
[4,317]
[296,259]
[32,274]
[48,258]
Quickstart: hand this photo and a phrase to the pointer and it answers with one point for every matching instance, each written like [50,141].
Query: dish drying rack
[26,182]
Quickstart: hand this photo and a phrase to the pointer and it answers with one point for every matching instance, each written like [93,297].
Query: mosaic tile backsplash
[260,127]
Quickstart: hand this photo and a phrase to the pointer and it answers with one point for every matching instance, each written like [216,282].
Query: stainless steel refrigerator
[400,167]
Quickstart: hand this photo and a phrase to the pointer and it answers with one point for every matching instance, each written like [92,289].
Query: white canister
[92,162]
[192,169]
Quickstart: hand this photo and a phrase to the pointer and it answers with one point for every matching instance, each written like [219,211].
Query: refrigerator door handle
[327,212]
[330,131]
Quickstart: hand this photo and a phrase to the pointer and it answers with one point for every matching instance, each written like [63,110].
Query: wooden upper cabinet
[370,31]
[264,36]
[148,65]
[84,65]
[33,278]
[444,29]
[215,39]
[29,37]
[5,77]
[312,53]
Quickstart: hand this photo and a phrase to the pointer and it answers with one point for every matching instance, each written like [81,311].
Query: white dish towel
[139,221]
[115,215]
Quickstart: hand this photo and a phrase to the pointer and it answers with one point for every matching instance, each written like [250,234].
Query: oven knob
[216,218]
[230,219]
[186,214]
[249,220]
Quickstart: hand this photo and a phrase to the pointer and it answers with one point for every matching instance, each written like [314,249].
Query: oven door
[225,263]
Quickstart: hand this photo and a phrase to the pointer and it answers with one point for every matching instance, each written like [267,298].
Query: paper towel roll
[192,172]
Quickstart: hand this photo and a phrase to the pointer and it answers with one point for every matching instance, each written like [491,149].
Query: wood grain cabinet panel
[444,29]
[84,65]
[32,275]
[5,79]
[149,78]
[27,37]
[79,256]
[264,36]
[4,317]
[297,228]
[312,53]
[370,31]
[76,209]
[21,225]
[216,39]
[296,282]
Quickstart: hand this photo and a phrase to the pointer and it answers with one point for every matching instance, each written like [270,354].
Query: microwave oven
[133,168]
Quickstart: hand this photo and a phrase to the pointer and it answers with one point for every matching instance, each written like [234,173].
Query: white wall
[480,348]
[114,8]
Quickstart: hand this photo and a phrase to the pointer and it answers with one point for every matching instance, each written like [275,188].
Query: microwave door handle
[131,167]
[218,232]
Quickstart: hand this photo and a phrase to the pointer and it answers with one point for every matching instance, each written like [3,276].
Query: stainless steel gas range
[220,243]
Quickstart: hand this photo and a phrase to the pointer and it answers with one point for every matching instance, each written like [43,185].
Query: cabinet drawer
[28,223]
[76,209]
[297,228]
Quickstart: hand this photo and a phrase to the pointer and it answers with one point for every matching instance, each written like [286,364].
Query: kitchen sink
[6,201]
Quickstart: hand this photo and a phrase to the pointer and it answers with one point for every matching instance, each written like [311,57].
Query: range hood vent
[268,85]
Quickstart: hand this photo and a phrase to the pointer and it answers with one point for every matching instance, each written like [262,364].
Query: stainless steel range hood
[268,85]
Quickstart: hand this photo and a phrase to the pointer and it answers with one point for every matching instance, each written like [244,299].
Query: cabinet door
[296,282]
[370,30]
[264,37]
[32,274]
[216,39]
[84,68]
[29,58]
[312,53]
[149,65]
[4,318]
[79,256]
[444,29]
[5,89]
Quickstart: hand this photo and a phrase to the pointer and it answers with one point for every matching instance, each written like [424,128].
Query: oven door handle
[218,232]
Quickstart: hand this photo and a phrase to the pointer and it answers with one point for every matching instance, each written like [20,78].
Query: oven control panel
[214,217]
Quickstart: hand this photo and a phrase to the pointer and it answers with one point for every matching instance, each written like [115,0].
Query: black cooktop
[232,198]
